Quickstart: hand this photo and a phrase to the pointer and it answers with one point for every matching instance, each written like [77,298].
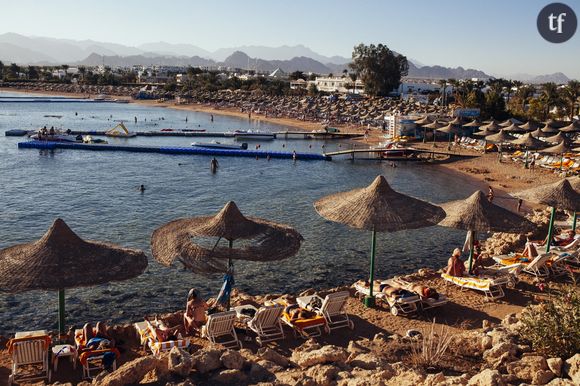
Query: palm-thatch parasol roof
[510,121]
[484,132]
[451,128]
[433,125]
[529,142]
[263,240]
[500,137]
[473,123]
[60,260]
[538,133]
[530,126]
[575,182]
[492,126]
[423,121]
[378,207]
[558,138]
[571,128]
[549,127]
[561,148]
[456,121]
[476,213]
[513,128]
[560,194]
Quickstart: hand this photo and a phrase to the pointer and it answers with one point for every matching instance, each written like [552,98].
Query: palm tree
[550,97]
[570,95]
[353,77]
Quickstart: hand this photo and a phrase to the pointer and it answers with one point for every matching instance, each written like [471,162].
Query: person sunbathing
[97,334]
[195,312]
[455,266]
[296,313]
[161,332]
[564,238]
[425,292]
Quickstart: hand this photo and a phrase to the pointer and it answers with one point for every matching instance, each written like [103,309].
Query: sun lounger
[489,286]
[426,302]
[219,329]
[93,361]
[536,267]
[309,327]
[398,304]
[148,340]
[265,322]
[29,359]
[331,307]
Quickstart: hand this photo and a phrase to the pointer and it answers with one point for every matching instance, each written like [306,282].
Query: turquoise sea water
[96,194]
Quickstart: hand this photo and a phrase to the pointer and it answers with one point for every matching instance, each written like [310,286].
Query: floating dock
[47,145]
[210,134]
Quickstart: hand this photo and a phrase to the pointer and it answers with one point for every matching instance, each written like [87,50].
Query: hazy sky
[497,36]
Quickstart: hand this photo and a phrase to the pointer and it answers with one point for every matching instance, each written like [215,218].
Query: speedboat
[120,131]
[219,145]
[253,134]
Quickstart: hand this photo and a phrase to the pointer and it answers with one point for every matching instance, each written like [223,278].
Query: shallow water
[96,194]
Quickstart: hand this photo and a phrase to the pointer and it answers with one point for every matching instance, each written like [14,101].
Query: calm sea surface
[96,194]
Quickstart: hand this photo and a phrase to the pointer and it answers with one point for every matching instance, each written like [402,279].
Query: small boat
[194,130]
[120,131]
[253,134]
[56,137]
[121,100]
[219,145]
[16,133]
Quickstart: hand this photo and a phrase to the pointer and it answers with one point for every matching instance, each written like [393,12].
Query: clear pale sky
[497,36]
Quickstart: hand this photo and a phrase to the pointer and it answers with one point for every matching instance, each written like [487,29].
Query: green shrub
[553,326]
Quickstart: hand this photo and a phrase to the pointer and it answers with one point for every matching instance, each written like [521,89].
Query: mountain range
[15,48]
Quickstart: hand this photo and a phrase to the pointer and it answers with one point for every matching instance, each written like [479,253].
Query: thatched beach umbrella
[423,121]
[450,129]
[500,137]
[560,194]
[549,127]
[473,123]
[571,128]
[529,142]
[378,208]
[538,133]
[558,138]
[61,259]
[513,128]
[492,127]
[530,126]
[432,126]
[262,241]
[477,214]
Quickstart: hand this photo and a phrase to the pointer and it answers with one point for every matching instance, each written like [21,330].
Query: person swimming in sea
[213,165]
[142,188]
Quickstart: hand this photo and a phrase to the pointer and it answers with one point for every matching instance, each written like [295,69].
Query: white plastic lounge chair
[489,286]
[426,303]
[266,324]
[331,307]
[27,354]
[219,326]
[538,267]
[399,305]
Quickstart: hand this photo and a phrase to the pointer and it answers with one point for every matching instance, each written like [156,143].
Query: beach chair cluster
[405,302]
[33,352]
[93,361]
[474,143]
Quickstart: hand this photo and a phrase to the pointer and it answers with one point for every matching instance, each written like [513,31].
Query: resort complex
[260,215]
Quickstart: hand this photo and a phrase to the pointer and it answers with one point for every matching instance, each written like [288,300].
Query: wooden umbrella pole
[231,271]
[471,248]
[574,222]
[369,301]
[61,315]
[550,229]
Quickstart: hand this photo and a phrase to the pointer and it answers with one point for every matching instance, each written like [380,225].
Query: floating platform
[46,145]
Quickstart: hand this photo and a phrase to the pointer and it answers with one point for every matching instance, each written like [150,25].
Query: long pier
[402,154]
[47,145]
[209,134]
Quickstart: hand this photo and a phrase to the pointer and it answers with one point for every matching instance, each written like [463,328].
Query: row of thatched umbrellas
[59,260]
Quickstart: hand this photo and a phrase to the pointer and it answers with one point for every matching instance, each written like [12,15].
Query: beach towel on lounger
[472,282]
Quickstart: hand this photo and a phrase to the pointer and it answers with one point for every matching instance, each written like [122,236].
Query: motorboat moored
[253,135]
[219,145]
[120,131]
